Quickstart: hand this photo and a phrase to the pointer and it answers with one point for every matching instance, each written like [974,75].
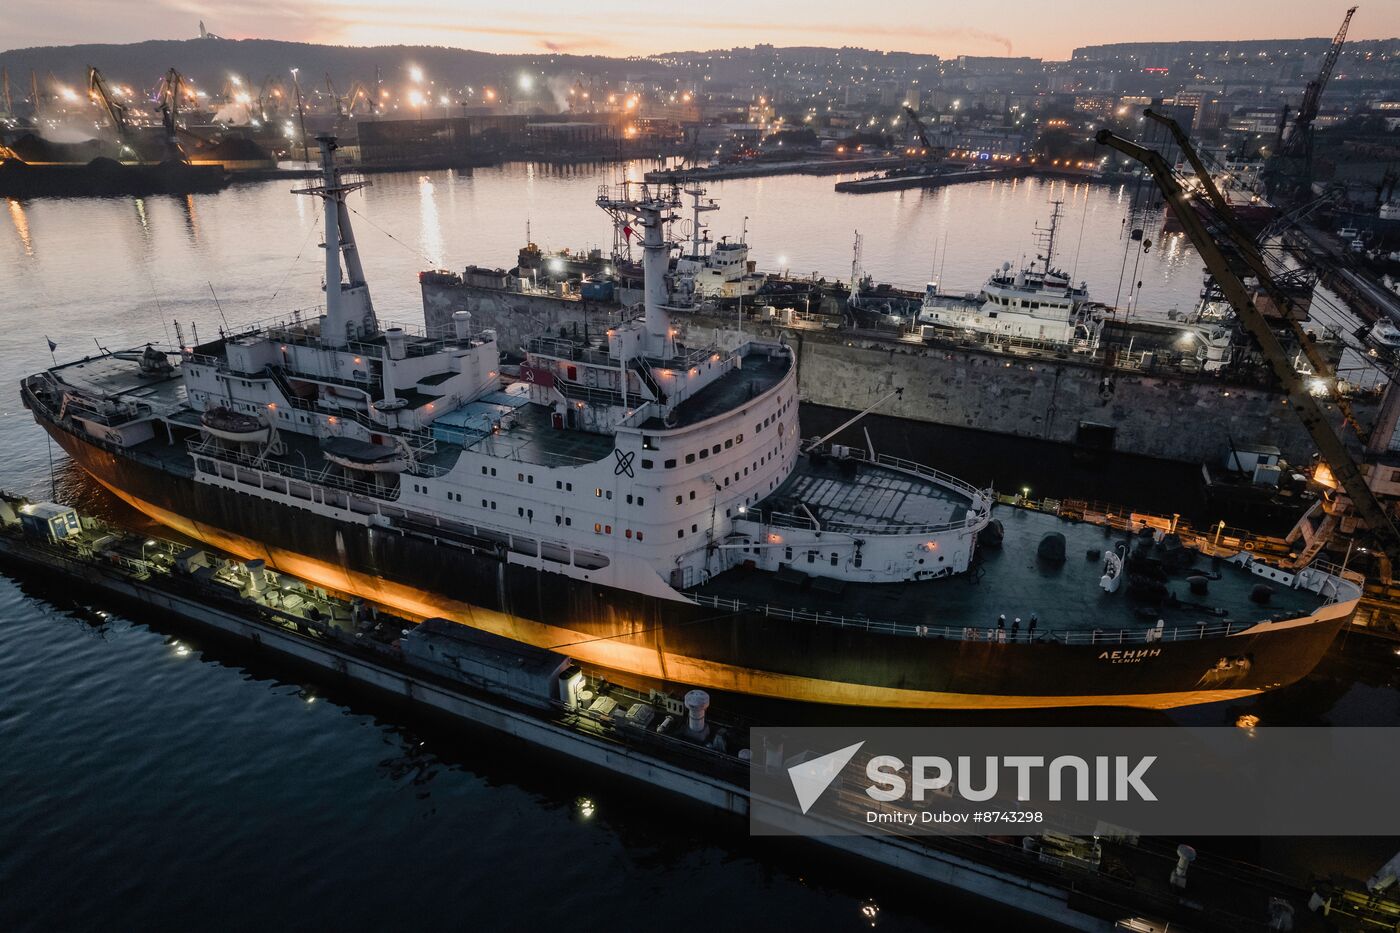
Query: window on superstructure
[670,464]
[530,480]
[520,477]
[558,519]
[692,495]
[646,464]
[558,484]
[649,443]
[608,494]
[678,500]
[715,449]
[833,558]
[729,443]
[629,498]
[739,439]
[787,553]
[641,500]
[629,534]
[690,458]
[680,532]
[704,455]
[598,493]
[597,528]
[568,487]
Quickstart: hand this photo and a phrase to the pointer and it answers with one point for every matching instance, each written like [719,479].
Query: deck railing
[1140,636]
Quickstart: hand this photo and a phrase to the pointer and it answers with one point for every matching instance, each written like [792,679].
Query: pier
[929,179]
[1094,885]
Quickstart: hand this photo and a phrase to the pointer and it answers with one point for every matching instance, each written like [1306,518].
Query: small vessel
[652,506]
[1384,335]
[1038,304]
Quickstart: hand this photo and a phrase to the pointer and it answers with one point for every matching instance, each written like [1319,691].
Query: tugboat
[650,508]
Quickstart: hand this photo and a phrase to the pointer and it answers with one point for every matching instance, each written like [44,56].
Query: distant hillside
[208,62]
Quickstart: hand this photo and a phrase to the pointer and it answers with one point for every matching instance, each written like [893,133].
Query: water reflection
[191,217]
[21,222]
[430,226]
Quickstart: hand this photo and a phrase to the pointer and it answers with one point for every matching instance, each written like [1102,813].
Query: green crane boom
[1314,419]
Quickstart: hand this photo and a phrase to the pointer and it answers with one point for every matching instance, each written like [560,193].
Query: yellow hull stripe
[611,653]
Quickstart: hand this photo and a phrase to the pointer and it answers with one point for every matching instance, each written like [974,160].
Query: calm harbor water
[154,780]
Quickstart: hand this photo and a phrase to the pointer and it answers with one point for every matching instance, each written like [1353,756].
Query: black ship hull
[421,574]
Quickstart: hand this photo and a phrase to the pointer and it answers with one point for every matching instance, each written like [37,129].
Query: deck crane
[930,150]
[102,95]
[1226,271]
[1290,165]
[167,101]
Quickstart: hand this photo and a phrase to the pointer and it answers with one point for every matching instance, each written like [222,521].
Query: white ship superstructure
[709,270]
[631,459]
[1033,303]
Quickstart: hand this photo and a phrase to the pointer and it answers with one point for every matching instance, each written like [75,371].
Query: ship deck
[849,492]
[1013,581]
[110,377]
[759,373]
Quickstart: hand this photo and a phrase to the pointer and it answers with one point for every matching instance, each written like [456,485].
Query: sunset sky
[1039,28]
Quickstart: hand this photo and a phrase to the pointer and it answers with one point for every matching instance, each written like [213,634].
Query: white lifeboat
[364,456]
[229,425]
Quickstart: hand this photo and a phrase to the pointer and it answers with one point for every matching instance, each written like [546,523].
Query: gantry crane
[1290,165]
[1226,265]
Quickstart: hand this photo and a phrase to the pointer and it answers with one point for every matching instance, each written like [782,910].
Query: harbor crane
[1289,167]
[101,95]
[167,101]
[1228,265]
[1280,292]
[930,150]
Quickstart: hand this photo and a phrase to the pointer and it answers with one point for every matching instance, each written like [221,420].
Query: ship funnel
[257,576]
[696,703]
[397,342]
[461,324]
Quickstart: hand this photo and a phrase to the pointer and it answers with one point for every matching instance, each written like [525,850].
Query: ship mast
[1045,236]
[646,208]
[699,236]
[349,311]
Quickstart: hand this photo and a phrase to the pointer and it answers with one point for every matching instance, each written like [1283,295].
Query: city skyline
[629,27]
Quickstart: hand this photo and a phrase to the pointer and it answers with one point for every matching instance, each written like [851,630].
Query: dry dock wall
[1173,418]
